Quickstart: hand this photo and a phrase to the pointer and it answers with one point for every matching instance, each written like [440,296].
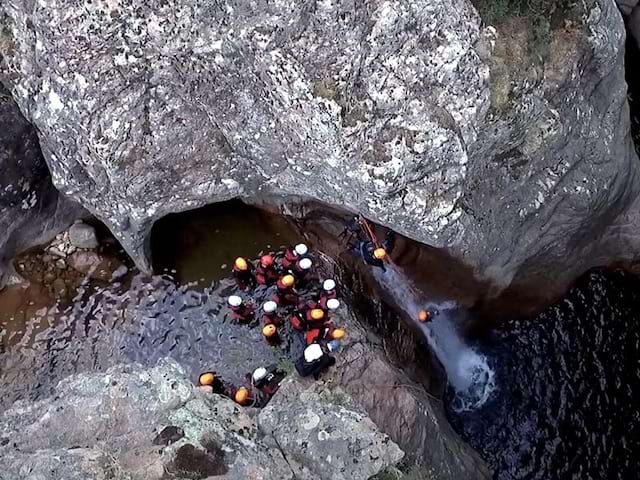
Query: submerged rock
[510,148]
[143,423]
[31,209]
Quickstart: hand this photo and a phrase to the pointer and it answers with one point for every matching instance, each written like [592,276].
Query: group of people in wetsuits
[299,298]
[302,300]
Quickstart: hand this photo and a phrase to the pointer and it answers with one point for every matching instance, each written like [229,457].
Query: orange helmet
[207,378]
[338,334]
[266,260]
[269,330]
[423,315]
[380,253]
[288,280]
[241,264]
[317,314]
[241,396]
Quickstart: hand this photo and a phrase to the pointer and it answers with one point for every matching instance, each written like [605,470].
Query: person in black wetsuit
[315,360]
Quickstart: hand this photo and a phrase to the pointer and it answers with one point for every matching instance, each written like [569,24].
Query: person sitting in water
[285,292]
[328,292]
[267,380]
[270,314]
[241,311]
[292,255]
[326,333]
[302,271]
[242,272]
[266,273]
[271,334]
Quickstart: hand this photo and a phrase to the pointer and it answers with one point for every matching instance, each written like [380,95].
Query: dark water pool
[181,314]
[203,243]
[568,399]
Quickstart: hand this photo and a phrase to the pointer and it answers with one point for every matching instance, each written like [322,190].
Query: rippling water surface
[181,314]
[567,401]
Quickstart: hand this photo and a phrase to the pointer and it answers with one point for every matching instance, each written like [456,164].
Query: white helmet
[234,301]
[301,249]
[333,304]
[259,373]
[328,285]
[306,263]
[270,306]
[313,352]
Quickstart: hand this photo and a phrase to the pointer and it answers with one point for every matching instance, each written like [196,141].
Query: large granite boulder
[316,425]
[509,148]
[32,211]
[137,423]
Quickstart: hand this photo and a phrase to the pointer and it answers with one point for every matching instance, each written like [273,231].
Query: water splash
[468,371]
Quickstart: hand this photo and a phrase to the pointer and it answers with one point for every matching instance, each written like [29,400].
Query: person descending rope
[372,253]
[266,273]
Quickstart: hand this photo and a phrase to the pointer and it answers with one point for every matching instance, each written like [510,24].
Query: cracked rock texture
[32,211]
[317,425]
[410,112]
[137,423]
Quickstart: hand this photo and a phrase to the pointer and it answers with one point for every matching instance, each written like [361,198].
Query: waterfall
[468,371]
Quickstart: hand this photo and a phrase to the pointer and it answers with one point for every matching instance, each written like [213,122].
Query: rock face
[31,209]
[82,235]
[135,423]
[409,112]
[316,425]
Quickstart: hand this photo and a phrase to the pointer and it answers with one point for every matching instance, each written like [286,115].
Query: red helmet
[266,260]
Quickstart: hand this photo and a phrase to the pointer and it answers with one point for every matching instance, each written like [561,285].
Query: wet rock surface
[422,119]
[99,424]
[31,209]
[316,425]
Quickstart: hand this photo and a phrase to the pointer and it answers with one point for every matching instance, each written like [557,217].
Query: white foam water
[468,371]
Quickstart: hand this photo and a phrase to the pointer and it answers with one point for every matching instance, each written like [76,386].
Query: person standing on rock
[266,273]
[211,382]
[285,292]
[267,381]
[315,360]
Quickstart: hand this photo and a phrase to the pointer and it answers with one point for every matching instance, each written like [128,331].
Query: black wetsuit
[316,367]
[364,249]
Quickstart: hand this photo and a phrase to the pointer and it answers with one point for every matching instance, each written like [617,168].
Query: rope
[370,232]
